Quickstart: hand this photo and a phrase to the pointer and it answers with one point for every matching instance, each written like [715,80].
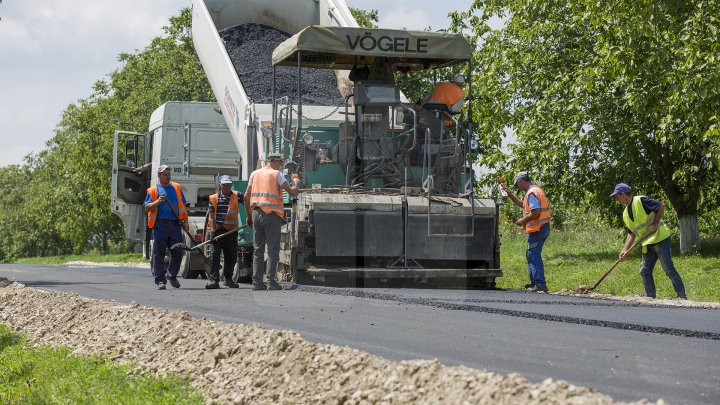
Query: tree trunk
[689,234]
[685,203]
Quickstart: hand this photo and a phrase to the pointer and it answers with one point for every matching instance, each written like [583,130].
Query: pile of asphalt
[242,364]
[250,47]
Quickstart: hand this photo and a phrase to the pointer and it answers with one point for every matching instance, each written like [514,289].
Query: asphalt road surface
[628,350]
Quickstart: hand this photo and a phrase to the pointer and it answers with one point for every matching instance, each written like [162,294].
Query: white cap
[458,78]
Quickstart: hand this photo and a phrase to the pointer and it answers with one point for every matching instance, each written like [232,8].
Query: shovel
[182,246]
[584,289]
[192,239]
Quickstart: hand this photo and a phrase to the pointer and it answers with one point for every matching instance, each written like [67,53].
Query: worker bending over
[643,219]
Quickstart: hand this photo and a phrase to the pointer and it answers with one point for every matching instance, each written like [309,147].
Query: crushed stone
[244,364]
[642,299]
[83,263]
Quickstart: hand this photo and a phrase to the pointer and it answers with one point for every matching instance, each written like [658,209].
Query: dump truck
[388,193]
[193,139]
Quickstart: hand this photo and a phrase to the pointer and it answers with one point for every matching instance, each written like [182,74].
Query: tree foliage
[58,201]
[366,19]
[596,93]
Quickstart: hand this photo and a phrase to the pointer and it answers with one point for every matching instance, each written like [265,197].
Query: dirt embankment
[249,364]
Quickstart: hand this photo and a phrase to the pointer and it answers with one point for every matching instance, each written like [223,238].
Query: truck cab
[193,139]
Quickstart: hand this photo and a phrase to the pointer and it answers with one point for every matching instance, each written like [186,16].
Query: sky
[51,53]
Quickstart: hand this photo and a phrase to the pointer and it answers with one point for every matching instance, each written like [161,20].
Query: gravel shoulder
[644,300]
[235,363]
[82,263]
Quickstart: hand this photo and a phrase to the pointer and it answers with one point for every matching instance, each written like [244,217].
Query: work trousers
[266,229]
[536,267]
[660,250]
[166,234]
[228,247]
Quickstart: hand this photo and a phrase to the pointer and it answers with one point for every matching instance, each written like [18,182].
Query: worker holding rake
[642,217]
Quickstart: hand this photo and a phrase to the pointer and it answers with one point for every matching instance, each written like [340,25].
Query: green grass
[98,258]
[579,257]
[44,375]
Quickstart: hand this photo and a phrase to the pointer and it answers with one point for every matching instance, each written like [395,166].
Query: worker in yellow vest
[166,213]
[536,223]
[265,213]
[643,219]
[223,218]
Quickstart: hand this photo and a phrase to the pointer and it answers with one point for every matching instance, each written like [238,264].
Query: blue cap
[162,168]
[620,188]
[225,179]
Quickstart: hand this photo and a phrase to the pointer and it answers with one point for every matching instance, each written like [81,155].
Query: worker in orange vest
[165,207]
[536,223]
[450,94]
[223,218]
[265,213]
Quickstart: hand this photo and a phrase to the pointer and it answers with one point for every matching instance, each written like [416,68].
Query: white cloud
[15,38]
[51,52]
[8,157]
[403,17]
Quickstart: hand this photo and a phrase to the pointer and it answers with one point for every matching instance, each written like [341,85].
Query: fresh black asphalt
[625,349]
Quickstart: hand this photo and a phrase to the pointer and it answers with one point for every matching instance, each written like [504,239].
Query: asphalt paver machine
[389,193]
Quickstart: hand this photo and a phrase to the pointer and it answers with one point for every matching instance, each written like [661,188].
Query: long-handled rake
[584,289]
[182,246]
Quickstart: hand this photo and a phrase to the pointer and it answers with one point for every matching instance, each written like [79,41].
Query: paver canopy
[345,47]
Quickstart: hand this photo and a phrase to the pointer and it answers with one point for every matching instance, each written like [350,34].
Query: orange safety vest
[449,94]
[544,217]
[265,192]
[231,217]
[182,212]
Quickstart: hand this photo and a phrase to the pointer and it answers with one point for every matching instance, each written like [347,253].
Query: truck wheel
[242,273]
[150,249]
[185,271]
[187,268]
[243,267]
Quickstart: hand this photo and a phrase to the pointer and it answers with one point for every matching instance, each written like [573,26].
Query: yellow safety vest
[641,221]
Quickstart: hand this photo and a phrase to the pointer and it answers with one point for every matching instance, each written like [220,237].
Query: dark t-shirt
[649,205]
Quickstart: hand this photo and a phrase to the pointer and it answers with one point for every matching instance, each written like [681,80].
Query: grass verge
[97,258]
[40,375]
[573,258]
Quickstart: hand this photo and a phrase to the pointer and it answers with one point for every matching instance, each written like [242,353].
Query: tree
[58,202]
[596,94]
[366,19]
